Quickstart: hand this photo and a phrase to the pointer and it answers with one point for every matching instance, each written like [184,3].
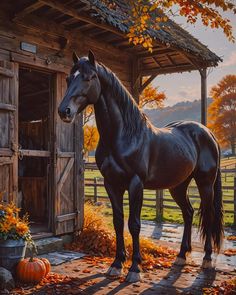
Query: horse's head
[83,87]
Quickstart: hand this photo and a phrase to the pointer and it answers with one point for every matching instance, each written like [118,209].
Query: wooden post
[203,74]
[159,205]
[234,222]
[136,79]
[95,190]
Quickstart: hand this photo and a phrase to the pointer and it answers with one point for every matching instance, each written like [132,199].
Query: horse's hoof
[133,277]
[207,264]
[180,261]
[114,273]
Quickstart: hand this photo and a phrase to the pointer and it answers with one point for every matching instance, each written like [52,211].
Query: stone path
[172,234]
[190,279]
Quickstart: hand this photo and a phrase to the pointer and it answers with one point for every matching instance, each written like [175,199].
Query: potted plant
[14,236]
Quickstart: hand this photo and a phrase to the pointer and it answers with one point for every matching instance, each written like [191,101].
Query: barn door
[68,169]
[8,130]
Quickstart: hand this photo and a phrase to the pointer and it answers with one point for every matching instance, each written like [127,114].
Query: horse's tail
[211,215]
[217,225]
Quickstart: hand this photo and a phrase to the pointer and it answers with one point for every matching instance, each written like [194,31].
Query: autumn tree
[222,111]
[151,97]
[91,138]
[88,114]
[144,15]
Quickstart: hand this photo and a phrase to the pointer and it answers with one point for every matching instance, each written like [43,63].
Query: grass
[170,215]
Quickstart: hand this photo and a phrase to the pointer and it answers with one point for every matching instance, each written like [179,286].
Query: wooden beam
[65,174]
[168,70]
[74,13]
[203,74]
[34,153]
[27,10]
[136,78]
[156,61]
[147,82]
[65,217]
[170,59]
[53,29]
[7,107]
[6,72]
[156,52]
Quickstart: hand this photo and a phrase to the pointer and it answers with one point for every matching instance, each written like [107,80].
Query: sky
[187,86]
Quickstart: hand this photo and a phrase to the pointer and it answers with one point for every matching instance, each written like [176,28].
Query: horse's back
[205,142]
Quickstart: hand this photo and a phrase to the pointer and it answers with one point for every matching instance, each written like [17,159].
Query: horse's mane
[134,119]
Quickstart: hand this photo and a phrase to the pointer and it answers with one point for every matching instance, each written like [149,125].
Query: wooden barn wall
[8,130]
[49,53]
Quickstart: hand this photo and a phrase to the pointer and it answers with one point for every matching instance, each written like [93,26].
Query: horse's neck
[103,120]
[122,111]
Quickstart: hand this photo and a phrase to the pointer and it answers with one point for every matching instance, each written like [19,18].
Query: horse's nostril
[68,111]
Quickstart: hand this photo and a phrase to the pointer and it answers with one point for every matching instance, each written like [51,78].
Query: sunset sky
[186,86]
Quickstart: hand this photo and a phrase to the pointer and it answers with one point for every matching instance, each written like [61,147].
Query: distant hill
[185,110]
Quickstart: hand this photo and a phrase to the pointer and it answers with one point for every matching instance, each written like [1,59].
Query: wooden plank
[28,9]
[168,70]
[77,15]
[203,74]
[6,152]
[6,72]
[65,154]
[34,153]
[65,217]
[147,82]
[7,107]
[65,174]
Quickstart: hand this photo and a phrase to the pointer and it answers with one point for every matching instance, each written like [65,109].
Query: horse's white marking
[76,73]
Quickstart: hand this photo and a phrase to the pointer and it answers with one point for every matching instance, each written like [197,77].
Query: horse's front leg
[135,205]
[116,197]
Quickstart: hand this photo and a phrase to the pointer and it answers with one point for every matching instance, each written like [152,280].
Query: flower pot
[11,252]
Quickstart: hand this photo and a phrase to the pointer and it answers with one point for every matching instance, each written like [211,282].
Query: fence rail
[161,200]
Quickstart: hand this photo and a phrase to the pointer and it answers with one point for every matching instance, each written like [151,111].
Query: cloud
[231,61]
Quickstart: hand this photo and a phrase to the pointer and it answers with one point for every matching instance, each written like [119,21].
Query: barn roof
[169,33]
[174,50]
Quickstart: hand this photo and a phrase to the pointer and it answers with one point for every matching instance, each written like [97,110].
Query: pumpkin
[31,270]
[47,265]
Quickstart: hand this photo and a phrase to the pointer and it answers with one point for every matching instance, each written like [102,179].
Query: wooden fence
[161,200]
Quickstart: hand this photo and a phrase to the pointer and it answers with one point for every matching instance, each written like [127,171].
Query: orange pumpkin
[31,270]
[47,265]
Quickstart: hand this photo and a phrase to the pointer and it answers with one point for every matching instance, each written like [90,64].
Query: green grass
[170,215]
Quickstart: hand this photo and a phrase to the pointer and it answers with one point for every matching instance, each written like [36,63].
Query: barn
[41,158]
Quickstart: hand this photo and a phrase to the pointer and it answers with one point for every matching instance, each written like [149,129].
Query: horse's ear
[75,57]
[91,58]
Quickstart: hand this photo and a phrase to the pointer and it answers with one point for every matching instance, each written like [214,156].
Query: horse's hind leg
[179,194]
[205,187]
[116,197]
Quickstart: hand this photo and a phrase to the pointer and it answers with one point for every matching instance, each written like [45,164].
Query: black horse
[132,155]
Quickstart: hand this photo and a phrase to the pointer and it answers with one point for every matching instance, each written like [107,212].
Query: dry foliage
[91,137]
[225,288]
[230,252]
[151,97]
[98,239]
[231,238]
[222,111]
[153,14]
[52,284]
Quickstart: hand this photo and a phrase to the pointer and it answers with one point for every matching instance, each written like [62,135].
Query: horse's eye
[93,76]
